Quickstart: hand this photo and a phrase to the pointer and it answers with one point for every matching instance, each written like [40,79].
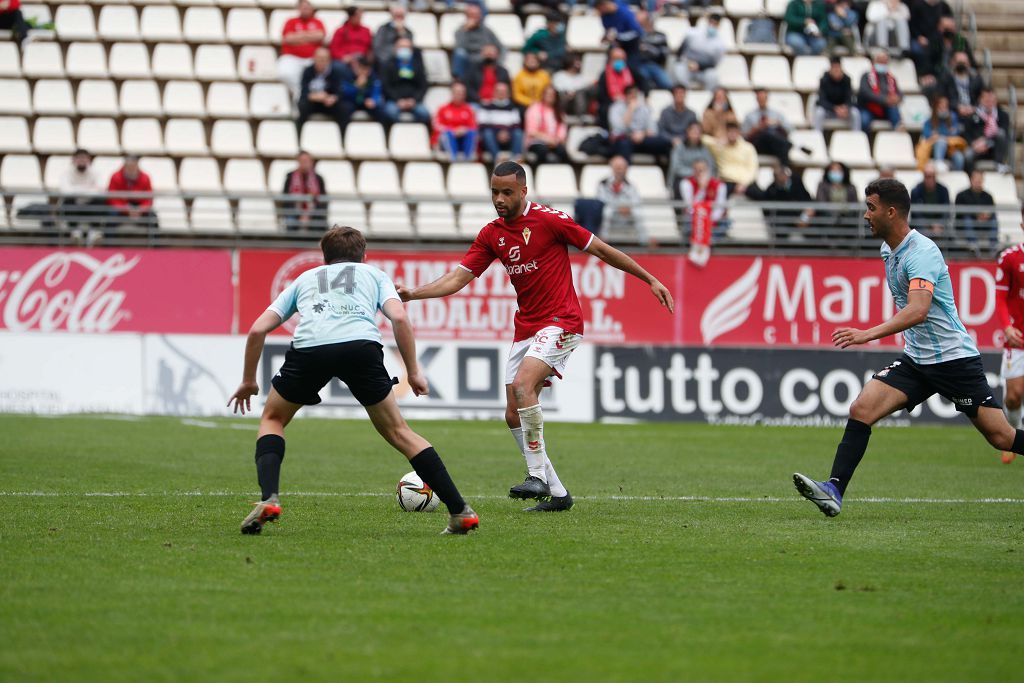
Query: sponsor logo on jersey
[513,253]
[523,268]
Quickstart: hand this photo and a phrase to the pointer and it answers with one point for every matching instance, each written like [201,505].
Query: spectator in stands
[767,129]
[975,212]
[612,84]
[501,126]
[653,53]
[11,19]
[718,115]
[573,86]
[735,158]
[879,95]
[806,23]
[986,130]
[675,120]
[941,138]
[888,17]
[80,190]
[632,127]
[835,98]
[703,186]
[761,31]
[924,24]
[961,85]
[300,38]
[531,82]
[835,188]
[481,77]
[405,83]
[321,91]
[622,212]
[623,29]
[135,211]
[455,126]
[351,40]
[545,129]
[363,93]
[842,25]
[386,37]
[470,40]
[949,42]
[548,43]
[930,192]
[309,213]
[698,57]
[686,154]
[787,188]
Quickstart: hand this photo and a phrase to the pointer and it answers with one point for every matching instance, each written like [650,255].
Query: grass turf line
[163,587]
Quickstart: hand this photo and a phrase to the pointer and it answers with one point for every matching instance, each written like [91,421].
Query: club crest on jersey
[526,235]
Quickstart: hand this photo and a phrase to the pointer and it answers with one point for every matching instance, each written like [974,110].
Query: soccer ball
[415,496]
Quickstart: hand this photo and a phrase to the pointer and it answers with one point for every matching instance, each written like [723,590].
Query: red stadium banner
[116,290]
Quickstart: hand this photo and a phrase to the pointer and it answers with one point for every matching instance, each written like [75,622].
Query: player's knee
[511,416]
[524,394]
[1012,399]
[859,411]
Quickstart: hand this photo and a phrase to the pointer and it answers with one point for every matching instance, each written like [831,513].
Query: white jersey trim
[467,270]
[589,242]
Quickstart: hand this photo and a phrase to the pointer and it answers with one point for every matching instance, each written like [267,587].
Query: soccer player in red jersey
[1010,308]
[532,241]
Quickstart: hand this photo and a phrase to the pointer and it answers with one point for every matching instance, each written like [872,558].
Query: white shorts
[1013,363]
[553,345]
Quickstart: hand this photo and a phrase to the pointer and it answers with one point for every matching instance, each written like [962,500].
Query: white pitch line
[377,494]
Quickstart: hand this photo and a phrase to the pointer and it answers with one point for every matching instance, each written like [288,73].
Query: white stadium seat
[1002,187]
[790,105]
[160,23]
[436,64]
[860,177]
[748,48]
[215,63]
[513,61]
[14,135]
[244,175]
[424,29]
[20,201]
[771,72]
[198,174]
[409,142]
[129,60]
[894,148]
[533,23]
[347,212]
[231,139]
[172,60]
[725,30]
[473,216]
[339,177]
[468,181]
[584,32]
[162,173]
[97,98]
[17,171]
[648,180]
[184,99]
[227,100]
[447,25]
[53,96]
[855,67]
[53,135]
[742,103]
[99,136]
[322,139]
[378,179]
[256,215]
[508,28]
[955,181]
[246,25]
[436,98]
[591,176]
[42,60]
[733,73]
[277,139]
[851,148]
[118,22]
[423,179]
[56,165]
[578,134]
[10,60]
[211,214]
[436,220]
[17,99]
[185,137]
[365,140]
[914,111]
[140,98]
[775,8]
[142,136]
[808,70]
[203,25]
[743,8]
[813,140]
[86,60]
[172,214]
[390,219]
[556,181]
[905,73]
[257,63]
[74,22]
[270,101]
[279,169]
[675,30]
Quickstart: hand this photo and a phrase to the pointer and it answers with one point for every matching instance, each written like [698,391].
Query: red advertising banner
[116,290]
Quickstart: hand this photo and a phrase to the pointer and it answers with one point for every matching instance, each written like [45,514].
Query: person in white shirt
[622,213]
[81,205]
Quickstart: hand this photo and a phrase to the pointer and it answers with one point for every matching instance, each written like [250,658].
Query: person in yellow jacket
[528,85]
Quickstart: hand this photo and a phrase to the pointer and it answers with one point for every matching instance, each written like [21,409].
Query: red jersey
[534,251]
[119,183]
[1010,287]
[350,39]
[296,24]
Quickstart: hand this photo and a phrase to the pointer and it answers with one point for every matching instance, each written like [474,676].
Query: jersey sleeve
[286,303]
[569,231]
[480,254]
[1003,270]
[924,264]
[385,290]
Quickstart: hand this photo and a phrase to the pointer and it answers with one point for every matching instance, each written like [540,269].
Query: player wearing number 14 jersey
[531,241]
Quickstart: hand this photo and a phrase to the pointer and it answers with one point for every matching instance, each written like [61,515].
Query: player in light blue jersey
[939,355]
[337,336]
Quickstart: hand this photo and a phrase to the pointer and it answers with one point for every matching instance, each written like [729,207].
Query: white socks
[548,473]
[1013,417]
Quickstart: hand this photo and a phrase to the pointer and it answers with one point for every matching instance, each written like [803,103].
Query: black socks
[432,471]
[850,451]
[269,454]
[1018,443]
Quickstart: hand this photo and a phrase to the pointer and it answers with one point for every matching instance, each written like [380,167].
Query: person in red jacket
[131,211]
[11,19]
[300,37]
[351,40]
[455,126]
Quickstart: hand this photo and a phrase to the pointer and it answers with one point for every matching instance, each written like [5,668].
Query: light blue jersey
[941,337]
[337,303]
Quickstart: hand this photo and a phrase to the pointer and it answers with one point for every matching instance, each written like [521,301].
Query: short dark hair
[510,168]
[715,17]
[342,243]
[891,192]
[834,59]
[80,150]
[679,86]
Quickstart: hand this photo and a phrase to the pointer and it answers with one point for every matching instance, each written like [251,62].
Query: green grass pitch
[157,584]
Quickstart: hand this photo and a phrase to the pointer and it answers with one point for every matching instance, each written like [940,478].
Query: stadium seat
[578,134]
[142,136]
[140,98]
[648,180]
[533,23]
[347,212]
[748,48]
[322,139]
[436,98]
[775,8]
[811,178]
[423,179]
[97,98]
[894,148]
[377,179]
[280,16]
[851,148]
[118,22]
[257,215]
[184,99]
[199,175]
[436,220]
[436,64]
[74,22]
[10,60]
[555,181]
[86,60]
[185,137]
[808,70]
[278,170]
[743,8]
[53,171]
[53,135]
[813,140]
[43,60]
[14,135]
[860,177]
[424,29]
[409,142]
[203,25]
[468,181]
[338,176]
[244,175]
[171,213]
[591,176]
[1002,187]
[733,74]
[593,65]
[129,60]
[955,181]
[17,99]
[257,63]
[742,103]
[447,25]
[172,60]
[661,223]
[675,30]
[473,216]
[99,136]
[270,101]
[698,101]
[771,72]
[18,171]
[508,27]
[53,97]
[390,219]
[725,30]
[160,23]
[855,67]
[910,178]
[211,214]
[20,201]
[790,105]
[105,166]
[584,32]
[365,140]
[277,139]
[914,111]
[657,100]
[231,139]
[513,62]
[215,63]
[246,25]
[905,73]
[162,173]
[227,100]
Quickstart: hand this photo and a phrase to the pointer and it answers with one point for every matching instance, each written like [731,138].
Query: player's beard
[511,211]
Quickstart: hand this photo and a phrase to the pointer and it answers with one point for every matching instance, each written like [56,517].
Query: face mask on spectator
[489,60]
[960,68]
[948,35]
[835,176]
[944,115]
[712,31]
[404,53]
[82,167]
[882,68]
[619,65]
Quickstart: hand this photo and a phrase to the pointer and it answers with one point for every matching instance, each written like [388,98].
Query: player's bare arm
[264,325]
[617,259]
[402,328]
[919,301]
[449,283]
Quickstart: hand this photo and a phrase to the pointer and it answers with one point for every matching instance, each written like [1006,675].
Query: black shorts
[359,364]
[962,381]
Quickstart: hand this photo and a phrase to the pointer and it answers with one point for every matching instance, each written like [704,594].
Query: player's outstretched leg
[560,499]
[991,422]
[277,413]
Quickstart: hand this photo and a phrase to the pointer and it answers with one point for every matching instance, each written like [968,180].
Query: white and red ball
[414,495]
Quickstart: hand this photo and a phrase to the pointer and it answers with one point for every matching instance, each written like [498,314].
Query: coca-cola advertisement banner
[116,290]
